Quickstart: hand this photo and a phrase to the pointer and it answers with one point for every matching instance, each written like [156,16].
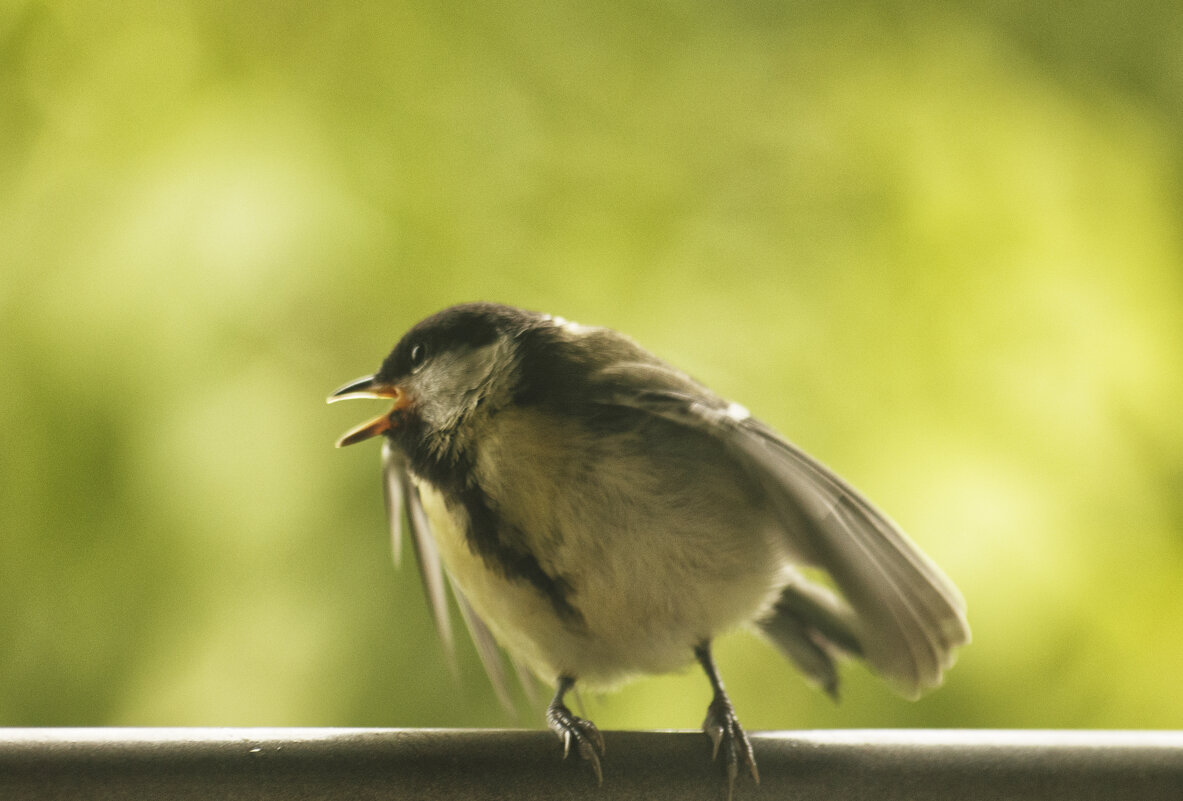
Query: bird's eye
[418,355]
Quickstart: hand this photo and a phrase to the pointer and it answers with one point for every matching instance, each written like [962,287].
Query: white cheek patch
[470,369]
[454,382]
[459,371]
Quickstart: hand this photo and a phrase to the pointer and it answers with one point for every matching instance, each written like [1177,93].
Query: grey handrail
[304,764]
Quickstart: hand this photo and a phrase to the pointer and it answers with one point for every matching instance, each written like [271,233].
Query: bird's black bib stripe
[485,537]
[486,533]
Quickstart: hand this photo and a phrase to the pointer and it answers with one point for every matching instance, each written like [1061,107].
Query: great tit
[600,515]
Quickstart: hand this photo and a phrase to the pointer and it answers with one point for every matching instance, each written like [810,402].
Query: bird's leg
[722,726]
[573,729]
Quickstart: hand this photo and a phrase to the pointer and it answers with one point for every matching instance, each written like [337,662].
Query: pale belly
[649,583]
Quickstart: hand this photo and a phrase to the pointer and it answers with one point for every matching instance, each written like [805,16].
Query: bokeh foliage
[938,245]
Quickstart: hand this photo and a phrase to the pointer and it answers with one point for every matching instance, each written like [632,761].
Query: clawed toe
[572,729]
[722,726]
[728,736]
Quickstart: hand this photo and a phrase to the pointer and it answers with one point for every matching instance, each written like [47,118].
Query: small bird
[601,515]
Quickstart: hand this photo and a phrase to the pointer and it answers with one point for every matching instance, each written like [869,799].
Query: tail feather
[810,626]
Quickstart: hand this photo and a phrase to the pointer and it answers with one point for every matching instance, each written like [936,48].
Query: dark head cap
[467,325]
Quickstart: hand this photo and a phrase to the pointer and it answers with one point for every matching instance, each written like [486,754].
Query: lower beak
[369,387]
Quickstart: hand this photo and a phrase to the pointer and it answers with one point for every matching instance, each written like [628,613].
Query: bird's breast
[621,557]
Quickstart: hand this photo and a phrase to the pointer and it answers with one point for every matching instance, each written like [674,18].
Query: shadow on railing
[305,764]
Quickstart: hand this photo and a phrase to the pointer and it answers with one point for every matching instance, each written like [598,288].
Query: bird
[600,515]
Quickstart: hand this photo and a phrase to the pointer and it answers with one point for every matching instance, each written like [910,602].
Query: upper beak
[369,387]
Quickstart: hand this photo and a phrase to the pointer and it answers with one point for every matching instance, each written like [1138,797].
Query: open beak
[369,387]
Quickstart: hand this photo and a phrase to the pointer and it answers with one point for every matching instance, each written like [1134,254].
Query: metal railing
[305,764]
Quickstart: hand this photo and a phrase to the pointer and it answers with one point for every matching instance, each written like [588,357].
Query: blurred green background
[938,245]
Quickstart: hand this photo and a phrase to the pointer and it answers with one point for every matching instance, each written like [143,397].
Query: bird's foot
[583,733]
[728,736]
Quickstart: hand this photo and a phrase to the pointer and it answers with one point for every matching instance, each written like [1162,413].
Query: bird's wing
[910,617]
[486,648]
[403,505]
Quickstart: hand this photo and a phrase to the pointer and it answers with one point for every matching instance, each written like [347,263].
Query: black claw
[728,736]
[571,728]
[722,726]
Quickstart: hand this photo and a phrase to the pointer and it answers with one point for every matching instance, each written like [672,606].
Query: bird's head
[441,372]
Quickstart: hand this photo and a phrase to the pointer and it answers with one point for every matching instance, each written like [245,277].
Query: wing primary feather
[526,679]
[486,648]
[863,508]
[912,617]
[396,501]
[431,570]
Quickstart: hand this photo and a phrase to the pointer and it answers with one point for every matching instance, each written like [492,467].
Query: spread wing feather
[911,617]
[403,506]
[486,648]
[908,615]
